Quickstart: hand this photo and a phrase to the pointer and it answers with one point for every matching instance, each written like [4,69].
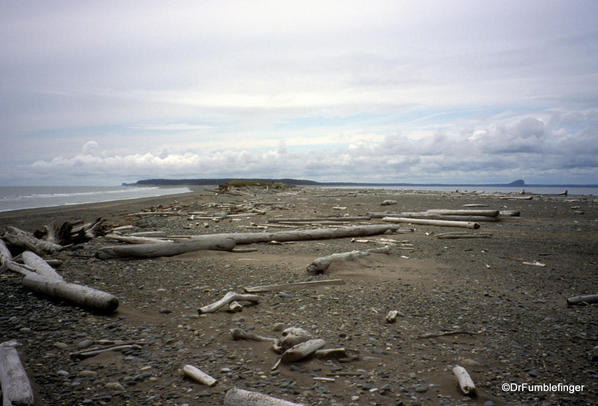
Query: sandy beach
[496,306]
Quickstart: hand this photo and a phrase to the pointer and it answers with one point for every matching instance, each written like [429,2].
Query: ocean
[540,190]
[31,197]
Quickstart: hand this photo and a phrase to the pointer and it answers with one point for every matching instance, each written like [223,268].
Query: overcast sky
[106,92]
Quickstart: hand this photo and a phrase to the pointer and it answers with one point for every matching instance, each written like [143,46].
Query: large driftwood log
[5,255]
[78,294]
[40,266]
[465,382]
[240,397]
[317,219]
[441,223]
[16,388]
[226,299]
[319,265]
[304,235]
[431,216]
[27,241]
[583,299]
[165,249]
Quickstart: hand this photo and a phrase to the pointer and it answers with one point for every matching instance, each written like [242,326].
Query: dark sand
[514,321]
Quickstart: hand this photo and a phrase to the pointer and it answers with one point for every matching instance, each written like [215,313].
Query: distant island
[305,182]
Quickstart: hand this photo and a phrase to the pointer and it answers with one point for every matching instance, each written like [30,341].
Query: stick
[240,334]
[198,375]
[465,382]
[319,265]
[226,299]
[91,353]
[165,249]
[240,397]
[16,388]
[446,333]
[583,299]
[510,213]
[283,286]
[452,236]
[317,219]
[77,294]
[441,223]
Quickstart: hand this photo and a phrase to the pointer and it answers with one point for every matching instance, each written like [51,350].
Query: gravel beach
[496,306]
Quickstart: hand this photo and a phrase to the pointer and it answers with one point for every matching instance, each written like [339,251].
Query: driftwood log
[226,299]
[456,235]
[319,265]
[465,382]
[165,249]
[304,235]
[463,212]
[583,299]
[302,350]
[5,255]
[198,375]
[27,241]
[317,219]
[16,388]
[441,223]
[78,294]
[40,266]
[134,239]
[240,397]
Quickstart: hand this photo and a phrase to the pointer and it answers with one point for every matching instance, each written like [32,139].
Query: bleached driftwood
[95,351]
[510,213]
[77,294]
[240,334]
[198,375]
[234,307]
[27,241]
[465,382]
[459,212]
[40,266]
[328,353]
[515,197]
[71,232]
[317,219]
[304,235]
[134,239]
[583,299]
[292,285]
[455,235]
[388,202]
[302,350]
[432,216]
[319,265]
[16,388]
[5,255]
[165,249]
[156,234]
[441,223]
[226,299]
[240,397]
[475,205]
[290,337]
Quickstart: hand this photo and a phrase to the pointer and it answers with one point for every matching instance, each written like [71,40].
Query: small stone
[488,403]
[88,373]
[25,330]
[114,386]
[60,346]
[533,373]
[84,343]
[62,372]
[165,311]
[421,388]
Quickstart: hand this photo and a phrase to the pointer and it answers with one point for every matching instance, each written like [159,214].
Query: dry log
[240,334]
[583,299]
[487,213]
[16,388]
[432,216]
[165,249]
[198,375]
[317,219]
[77,294]
[475,205]
[134,239]
[455,235]
[40,266]
[282,286]
[515,197]
[235,307]
[226,299]
[465,382]
[304,235]
[441,223]
[148,234]
[302,350]
[5,255]
[27,241]
[240,397]
[510,213]
[291,336]
[388,202]
[92,352]
[319,265]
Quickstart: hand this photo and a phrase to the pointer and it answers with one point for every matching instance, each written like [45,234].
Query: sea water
[541,190]
[30,197]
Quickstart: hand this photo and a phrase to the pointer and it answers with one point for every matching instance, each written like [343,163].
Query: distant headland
[305,182]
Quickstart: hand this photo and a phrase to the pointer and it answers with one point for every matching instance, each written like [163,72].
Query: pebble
[60,345]
[88,373]
[114,386]
[533,373]
[488,403]
[62,372]
[25,330]
[421,388]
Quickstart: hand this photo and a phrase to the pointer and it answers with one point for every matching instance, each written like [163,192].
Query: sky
[461,91]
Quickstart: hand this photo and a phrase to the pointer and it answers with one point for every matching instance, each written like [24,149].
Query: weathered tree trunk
[240,397]
[303,235]
[16,389]
[166,249]
[78,294]
[40,266]
[441,223]
[226,299]
[5,255]
[134,239]
[319,265]
[27,241]
[465,382]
